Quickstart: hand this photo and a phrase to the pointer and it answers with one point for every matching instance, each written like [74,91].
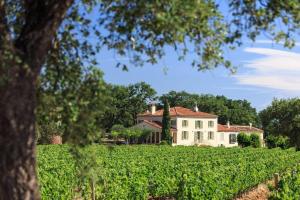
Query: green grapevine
[143,171]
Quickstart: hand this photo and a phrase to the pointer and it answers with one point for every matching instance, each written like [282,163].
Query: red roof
[181,112]
[237,128]
[156,124]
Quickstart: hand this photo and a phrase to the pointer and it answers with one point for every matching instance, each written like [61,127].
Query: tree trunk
[21,60]
[17,138]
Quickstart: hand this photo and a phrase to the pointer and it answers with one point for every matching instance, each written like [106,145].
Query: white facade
[191,135]
[227,140]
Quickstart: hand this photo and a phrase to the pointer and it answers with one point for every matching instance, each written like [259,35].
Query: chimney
[196,108]
[153,109]
[228,124]
[250,125]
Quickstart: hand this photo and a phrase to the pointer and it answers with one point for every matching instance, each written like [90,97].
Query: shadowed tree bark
[21,62]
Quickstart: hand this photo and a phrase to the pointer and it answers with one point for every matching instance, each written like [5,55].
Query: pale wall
[192,130]
[226,138]
[225,142]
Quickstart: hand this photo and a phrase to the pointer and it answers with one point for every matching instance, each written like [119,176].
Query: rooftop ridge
[181,111]
[237,128]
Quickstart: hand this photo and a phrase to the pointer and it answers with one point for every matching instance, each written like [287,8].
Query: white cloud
[272,42]
[276,69]
[274,60]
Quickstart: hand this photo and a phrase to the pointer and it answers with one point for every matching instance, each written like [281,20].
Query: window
[210,124]
[199,136]
[232,138]
[198,124]
[210,135]
[174,137]
[185,135]
[222,137]
[173,122]
[185,123]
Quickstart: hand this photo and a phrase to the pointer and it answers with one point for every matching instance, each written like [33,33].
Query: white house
[192,127]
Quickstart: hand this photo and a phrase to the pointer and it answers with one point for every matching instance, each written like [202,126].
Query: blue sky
[265,71]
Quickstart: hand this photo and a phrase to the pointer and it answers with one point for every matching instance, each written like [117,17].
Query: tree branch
[42,19]
[4,30]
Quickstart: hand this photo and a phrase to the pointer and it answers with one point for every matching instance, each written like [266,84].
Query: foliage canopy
[282,117]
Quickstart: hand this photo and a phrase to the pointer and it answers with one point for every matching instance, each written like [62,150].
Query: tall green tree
[39,33]
[126,102]
[166,124]
[282,117]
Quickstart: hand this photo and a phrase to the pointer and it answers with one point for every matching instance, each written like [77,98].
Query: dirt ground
[260,192]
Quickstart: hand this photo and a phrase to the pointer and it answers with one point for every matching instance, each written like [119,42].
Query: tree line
[82,101]
[282,119]
[79,100]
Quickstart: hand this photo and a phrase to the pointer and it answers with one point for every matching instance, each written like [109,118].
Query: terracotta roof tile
[237,128]
[180,111]
[156,124]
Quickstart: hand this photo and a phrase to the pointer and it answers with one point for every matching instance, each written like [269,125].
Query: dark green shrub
[255,141]
[164,142]
[277,141]
[243,140]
